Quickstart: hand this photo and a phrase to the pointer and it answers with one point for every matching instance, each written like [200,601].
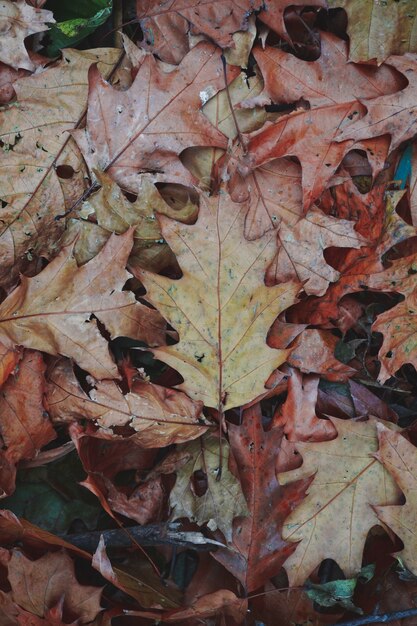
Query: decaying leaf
[399,457]
[42,171]
[160,416]
[221,501]
[127,133]
[337,511]
[257,550]
[46,582]
[378,29]
[224,364]
[40,315]
[18,20]
[25,427]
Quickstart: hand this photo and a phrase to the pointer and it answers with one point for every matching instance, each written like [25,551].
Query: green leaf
[76,19]
[51,497]
[339,592]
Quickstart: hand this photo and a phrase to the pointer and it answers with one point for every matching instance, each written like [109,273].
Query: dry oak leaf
[51,312]
[223,499]
[9,358]
[337,511]
[160,416]
[25,427]
[378,29]
[394,114]
[224,364]
[18,20]
[42,584]
[399,457]
[257,550]
[300,251]
[326,81]
[36,149]
[221,602]
[114,213]
[146,127]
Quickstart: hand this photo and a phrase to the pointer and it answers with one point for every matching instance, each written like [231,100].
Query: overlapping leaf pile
[208,314]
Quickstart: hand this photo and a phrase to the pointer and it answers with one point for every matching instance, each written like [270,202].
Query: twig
[379,619]
[152,534]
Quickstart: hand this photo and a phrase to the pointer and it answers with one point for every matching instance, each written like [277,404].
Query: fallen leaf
[18,20]
[160,416]
[399,457]
[39,585]
[378,30]
[224,364]
[127,133]
[222,500]
[36,149]
[313,353]
[9,358]
[300,251]
[39,314]
[257,550]
[394,114]
[222,602]
[139,580]
[337,511]
[25,426]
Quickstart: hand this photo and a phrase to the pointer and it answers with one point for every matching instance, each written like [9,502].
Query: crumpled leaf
[399,457]
[114,213]
[36,153]
[42,584]
[223,499]
[337,511]
[257,550]
[9,358]
[300,252]
[378,29]
[160,416]
[224,364]
[137,579]
[39,314]
[339,592]
[18,20]
[313,352]
[393,114]
[25,427]
[328,80]
[128,133]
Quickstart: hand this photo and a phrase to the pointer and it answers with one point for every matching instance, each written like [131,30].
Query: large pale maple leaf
[146,127]
[221,307]
[337,511]
[36,149]
[52,311]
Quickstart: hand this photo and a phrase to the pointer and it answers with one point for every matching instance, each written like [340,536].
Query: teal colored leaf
[339,592]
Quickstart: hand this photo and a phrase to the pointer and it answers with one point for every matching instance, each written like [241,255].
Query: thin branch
[384,618]
[150,535]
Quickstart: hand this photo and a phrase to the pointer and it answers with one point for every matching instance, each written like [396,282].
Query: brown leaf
[9,358]
[313,352]
[222,602]
[39,585]
[337,511]
[221,501]
[36,146]
[39,314]
[127,132]
[18,20]
[160,416]
[25,427]
[224,364]
[257,550]
[394,115]
[382,29]
[300,252]
[137,579]
[399,457]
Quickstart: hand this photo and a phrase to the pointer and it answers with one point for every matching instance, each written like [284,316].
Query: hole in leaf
[65,171]
[199,482]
